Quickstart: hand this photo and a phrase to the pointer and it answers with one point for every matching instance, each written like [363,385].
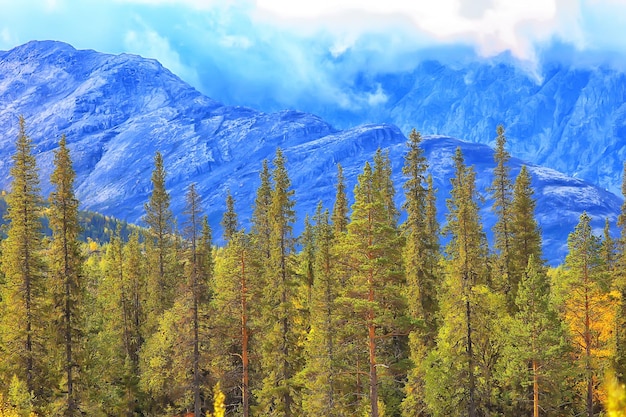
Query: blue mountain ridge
[568,114]
[118,110]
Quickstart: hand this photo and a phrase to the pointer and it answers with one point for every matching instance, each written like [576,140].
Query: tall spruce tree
[261,229]
[371,253]
[460,370]
[230,224]
[535,355]
[340,208]
[234,305]
[21,315]
[160,221]
[620,282]
[587,308]
[280,358]
[419,256]
[66,271]
[193,232]
[502,194]
[526,241]
[321,397]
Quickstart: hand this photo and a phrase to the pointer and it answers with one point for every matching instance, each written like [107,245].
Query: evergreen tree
[587,308]
[460,371]
[420,256]
[526,240]
[620,283]
[607,249]
[261,228]
[159,219]
[535,352]
[280,358]
[230,224]
[236,295]
[133,297]
[66,270]
[371,252]
[22,293]
[340,208]
[193,233]
[322,395]
[502,193]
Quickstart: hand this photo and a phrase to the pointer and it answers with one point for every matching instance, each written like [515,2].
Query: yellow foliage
[219,407]
[615,401]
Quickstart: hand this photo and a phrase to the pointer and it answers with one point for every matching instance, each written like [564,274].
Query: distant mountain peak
[118,110]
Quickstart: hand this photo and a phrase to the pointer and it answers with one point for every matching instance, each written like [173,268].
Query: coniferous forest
[360,315]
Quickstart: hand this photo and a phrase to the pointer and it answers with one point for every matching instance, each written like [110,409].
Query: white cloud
[490,26]
[150,44]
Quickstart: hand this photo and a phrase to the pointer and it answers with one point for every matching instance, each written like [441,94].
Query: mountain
[118,110]
[568,114]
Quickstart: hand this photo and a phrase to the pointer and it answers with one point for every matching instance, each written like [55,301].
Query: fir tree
[66,269]
[620,283]
[261,229]
[502,192]
[526,241]
[420,255]
[372,255]
[586,305]
[159,219]
[468,343]
[340,208]
[322,396]
[193,233]
[22,319]
[279,351]
[535,350]
[230,224]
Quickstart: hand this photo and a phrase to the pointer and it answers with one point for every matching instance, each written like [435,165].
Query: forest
[360,315]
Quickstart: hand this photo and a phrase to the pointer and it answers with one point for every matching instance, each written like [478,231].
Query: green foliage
[361,317]
[22,313]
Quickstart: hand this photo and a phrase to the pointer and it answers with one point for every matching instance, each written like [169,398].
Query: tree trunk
[245,394]
[471,407]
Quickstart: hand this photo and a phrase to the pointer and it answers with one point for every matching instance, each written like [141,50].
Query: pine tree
[21,315]
[535,351]
[230,224]
[236,296]
[371,253]
[420,254]
[193,233]
[340,208]
[526,241]
[261,228]
[322,395]
[159,219]
[279,350]
[587,308]
[66,269]
[607,249]
[459,372]
[502,193]
[620,283]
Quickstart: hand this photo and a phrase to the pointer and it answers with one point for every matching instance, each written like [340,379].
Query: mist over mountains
[118,110]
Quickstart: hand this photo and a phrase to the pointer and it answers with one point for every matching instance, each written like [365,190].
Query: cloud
[149,44]
[273,54]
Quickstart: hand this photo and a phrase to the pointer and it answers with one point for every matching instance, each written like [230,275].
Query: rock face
[569,118]
[117,111]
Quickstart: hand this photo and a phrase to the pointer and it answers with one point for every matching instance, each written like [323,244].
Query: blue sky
[274,53]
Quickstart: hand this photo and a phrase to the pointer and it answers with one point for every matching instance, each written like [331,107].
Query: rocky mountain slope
[567,114]
[117,111]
